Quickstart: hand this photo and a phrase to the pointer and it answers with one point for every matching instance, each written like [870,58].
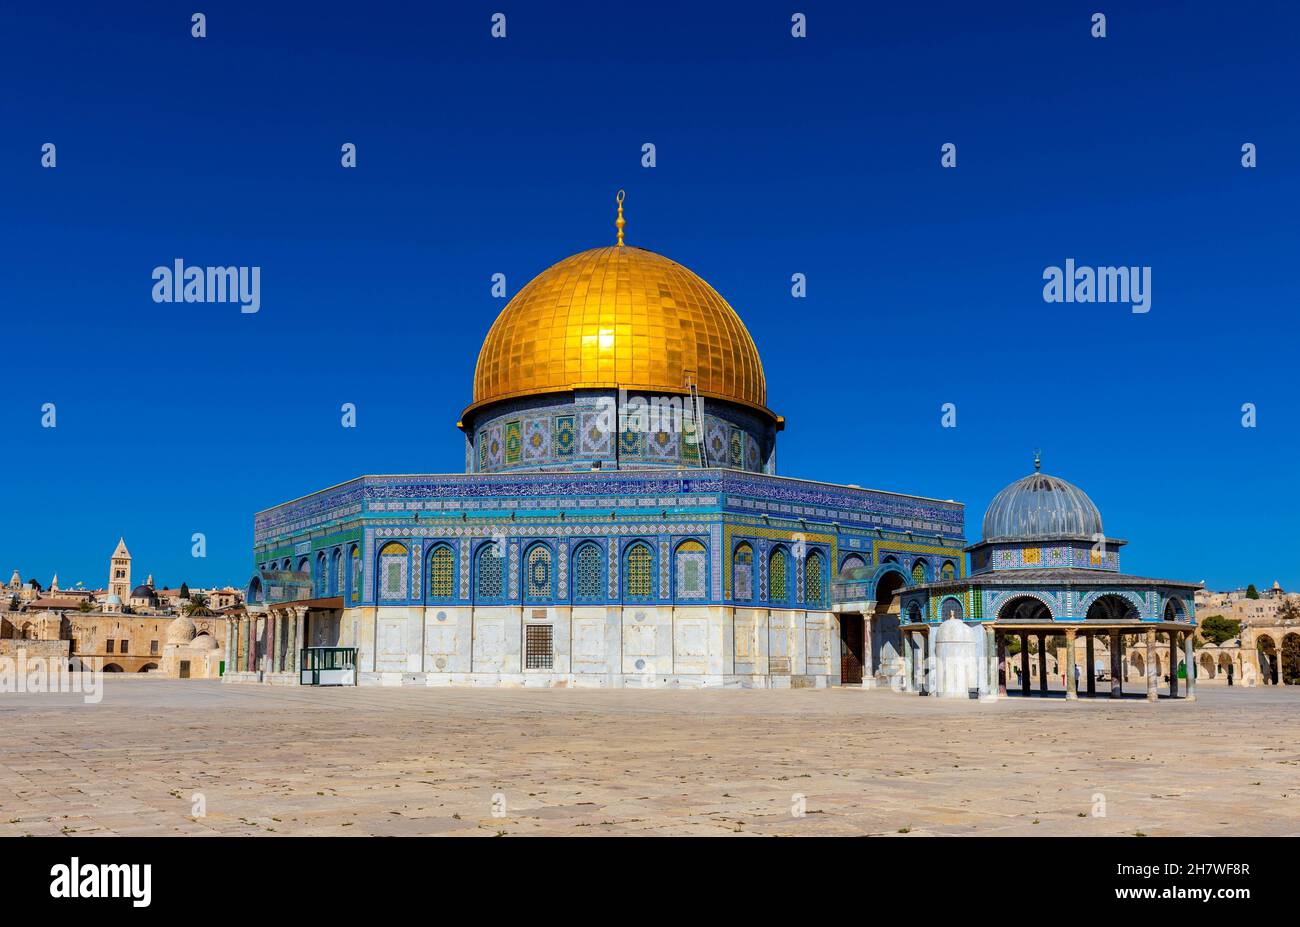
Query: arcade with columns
[1043,570]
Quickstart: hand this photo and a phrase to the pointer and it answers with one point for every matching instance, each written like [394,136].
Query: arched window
[322,576]
[586,572]
[949,571]
[441,573]
[537,579]
[778,575]
[950,608]
[851,562]
[918,571]
[812,579]
[392,572]
[742,572]
[692,570]
[336,573]
[489,571]
[637,583]
[355,590]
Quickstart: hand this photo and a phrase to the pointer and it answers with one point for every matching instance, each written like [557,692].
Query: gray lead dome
[1041,506]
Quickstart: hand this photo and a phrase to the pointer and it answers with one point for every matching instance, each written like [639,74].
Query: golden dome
[619,317]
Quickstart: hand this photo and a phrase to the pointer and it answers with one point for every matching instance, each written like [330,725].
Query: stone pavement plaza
[405,761]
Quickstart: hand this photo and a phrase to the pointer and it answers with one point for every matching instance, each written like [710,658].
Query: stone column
[277,642]
[299,630]
[1002,663]
[1092,663]
[1024,663]
[990,663]
[1116,664]
[269,632]
[1042,663]
[1153,681]
[1189,660]
[918,664]
[909,668]
[1173,664]
[925,664]
[1071,687]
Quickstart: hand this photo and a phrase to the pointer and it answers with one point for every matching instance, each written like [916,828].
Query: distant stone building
[132,630]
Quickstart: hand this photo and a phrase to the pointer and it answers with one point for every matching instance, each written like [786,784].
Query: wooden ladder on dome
[697,419]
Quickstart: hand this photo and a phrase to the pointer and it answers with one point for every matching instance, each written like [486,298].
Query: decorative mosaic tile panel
[631,443]
[692,570]
[496,448]
[716,443]
[537,439]
[514,442]
[564,437]
[417,562]
[586,570]
[594,433]
[662,444]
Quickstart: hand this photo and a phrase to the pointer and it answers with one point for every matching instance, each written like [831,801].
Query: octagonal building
[620,520]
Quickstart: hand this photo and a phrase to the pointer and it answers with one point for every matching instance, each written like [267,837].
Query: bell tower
[119,573]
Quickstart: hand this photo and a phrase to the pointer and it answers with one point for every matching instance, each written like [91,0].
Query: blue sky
[775,156]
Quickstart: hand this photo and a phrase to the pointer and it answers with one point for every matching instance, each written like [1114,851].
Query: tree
[1218,629]
[197,605]
[185,590]
[1252,592]
[14,602]
[85,606]
[1289,610]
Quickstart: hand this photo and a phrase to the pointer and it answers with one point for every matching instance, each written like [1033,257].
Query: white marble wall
[642,645]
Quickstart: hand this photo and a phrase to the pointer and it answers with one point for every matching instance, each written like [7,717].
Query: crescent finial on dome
[620,221]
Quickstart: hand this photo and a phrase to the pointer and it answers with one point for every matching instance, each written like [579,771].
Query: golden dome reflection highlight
[619,317]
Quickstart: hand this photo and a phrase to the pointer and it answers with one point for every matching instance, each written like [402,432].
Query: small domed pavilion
[1045,568]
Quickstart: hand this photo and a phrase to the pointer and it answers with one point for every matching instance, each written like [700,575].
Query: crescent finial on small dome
[620,222]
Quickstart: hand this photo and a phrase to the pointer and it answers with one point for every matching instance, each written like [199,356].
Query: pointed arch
[850,563]
[742,572]
[814,582]
[442,572]
[638,571]
[489,572]
[588,572]
[539,573]
[394,572]
[354,575]
[778,575]
[691,570]
[336,572]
